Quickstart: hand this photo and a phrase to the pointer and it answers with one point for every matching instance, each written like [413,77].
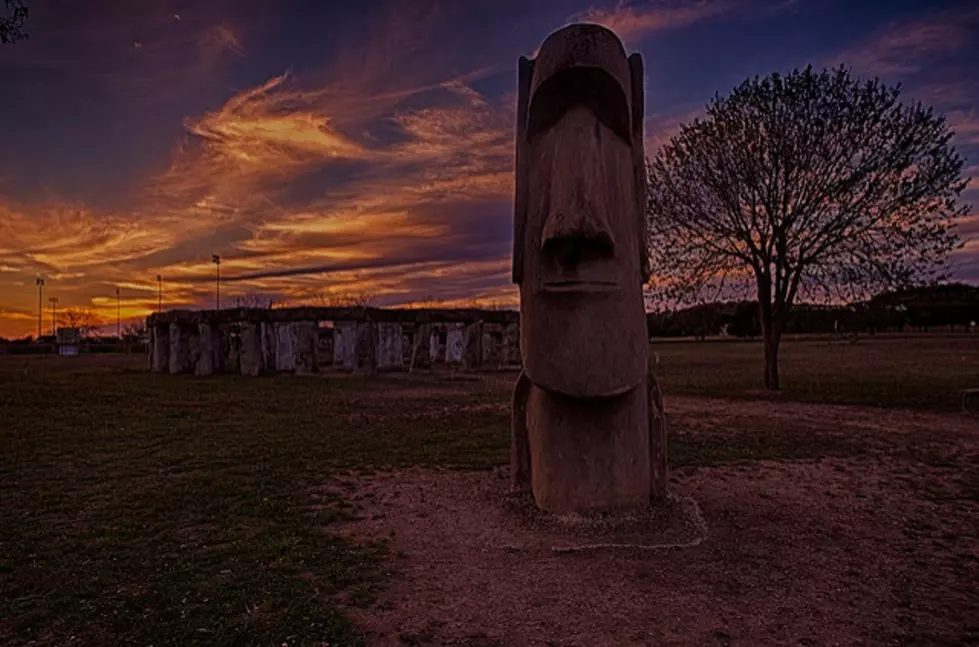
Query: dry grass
[149,509]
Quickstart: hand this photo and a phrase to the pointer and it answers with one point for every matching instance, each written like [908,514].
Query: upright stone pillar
[345,345]
[586,432]
[161,348]
[206,349]
[473,346]
[454,344]
[180,349]
[511,345]
[231,343]
[305,348]
[421,353]
[435,350]
[269,346]
[285,346]
[491,345]
[222,347]
[366,340]
[194,344]
[389,349]
[250,354]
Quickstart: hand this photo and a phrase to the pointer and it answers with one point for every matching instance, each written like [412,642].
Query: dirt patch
[713,414]
[834,552]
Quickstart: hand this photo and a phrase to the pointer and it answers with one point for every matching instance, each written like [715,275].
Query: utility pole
[159,283]
[40,288]
[54,315]
[217,266]
[118,316]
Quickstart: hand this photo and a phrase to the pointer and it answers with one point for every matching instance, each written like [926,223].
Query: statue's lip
[572,285]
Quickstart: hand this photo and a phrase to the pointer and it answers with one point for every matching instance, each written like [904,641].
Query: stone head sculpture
[579,225]
[582,418]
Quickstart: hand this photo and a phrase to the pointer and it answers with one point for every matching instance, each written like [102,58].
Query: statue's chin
[571,389]
[585,352]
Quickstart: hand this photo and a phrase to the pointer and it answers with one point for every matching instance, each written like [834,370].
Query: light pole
[54,315]
[159,283]
[40,288]
[217,266]
[118,316]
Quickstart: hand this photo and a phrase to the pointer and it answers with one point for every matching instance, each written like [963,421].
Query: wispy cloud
[300,193]
[903,48]
[965,123]
[634,20]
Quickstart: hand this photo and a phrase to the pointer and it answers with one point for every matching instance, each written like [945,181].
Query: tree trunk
[772,339]
[771,332]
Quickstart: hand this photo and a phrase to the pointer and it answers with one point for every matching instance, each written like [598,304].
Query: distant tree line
[946,307]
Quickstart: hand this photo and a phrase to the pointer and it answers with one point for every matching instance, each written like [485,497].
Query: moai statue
[588,430]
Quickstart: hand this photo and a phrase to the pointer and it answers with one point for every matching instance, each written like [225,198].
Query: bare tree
[84,319]
[813,183]
[134,331]
[345,299]
[12,21]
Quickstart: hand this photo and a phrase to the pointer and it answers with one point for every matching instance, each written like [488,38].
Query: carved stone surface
[473,343]
[582,412]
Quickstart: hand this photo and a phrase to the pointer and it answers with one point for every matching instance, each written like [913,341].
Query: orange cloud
[234,172]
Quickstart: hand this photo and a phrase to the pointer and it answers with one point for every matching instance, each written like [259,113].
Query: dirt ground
[877,548]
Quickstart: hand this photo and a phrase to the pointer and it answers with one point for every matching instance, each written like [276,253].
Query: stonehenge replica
[588,428]
[303,341]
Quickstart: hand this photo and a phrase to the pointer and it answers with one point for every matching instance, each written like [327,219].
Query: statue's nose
[576,233]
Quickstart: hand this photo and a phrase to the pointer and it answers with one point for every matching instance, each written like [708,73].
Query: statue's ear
[637,82]
[525,70]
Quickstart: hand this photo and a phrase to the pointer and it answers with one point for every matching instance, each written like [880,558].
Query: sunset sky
[360,148]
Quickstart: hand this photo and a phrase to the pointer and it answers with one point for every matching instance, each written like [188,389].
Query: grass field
[174,510]
[924,372]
